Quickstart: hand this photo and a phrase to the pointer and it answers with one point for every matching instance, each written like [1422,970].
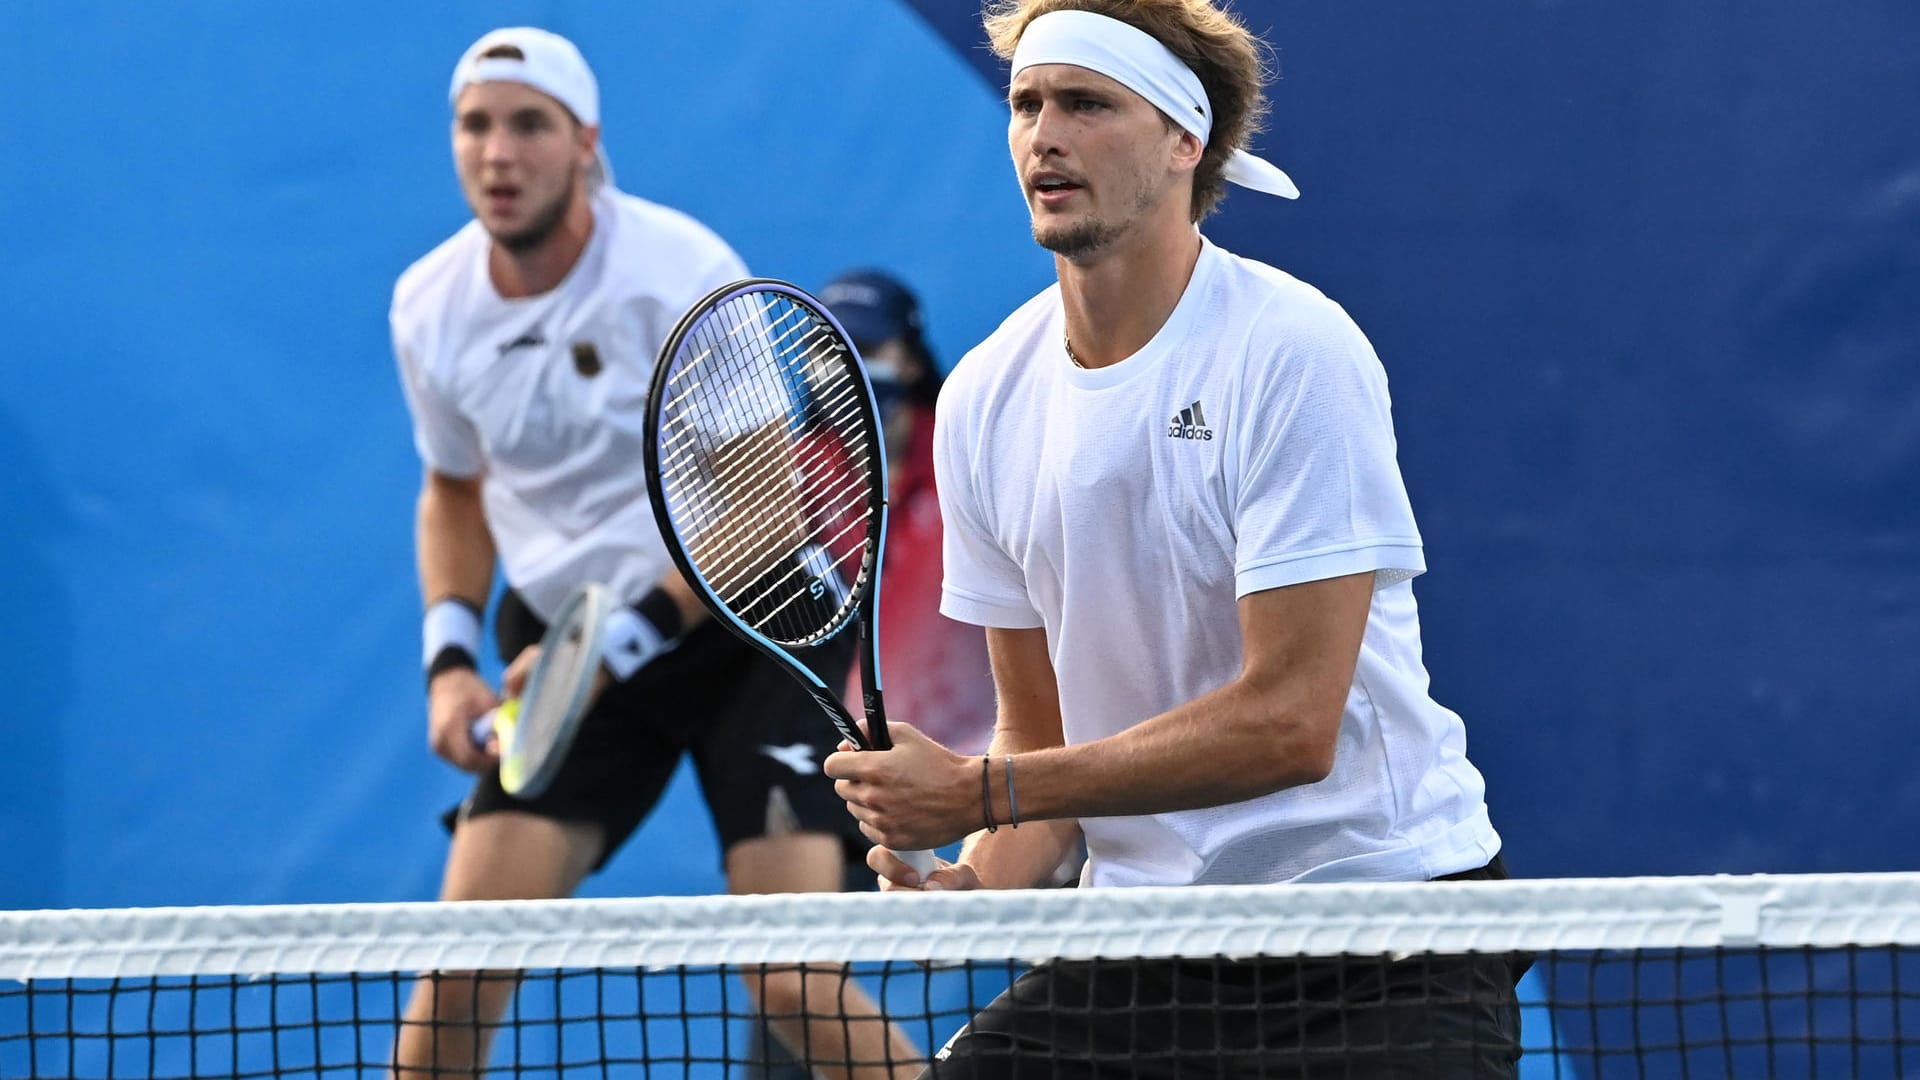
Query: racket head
[536,734]
[767,472]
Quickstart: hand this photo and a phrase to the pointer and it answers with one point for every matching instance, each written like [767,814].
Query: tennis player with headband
[526,345]
[1171,495]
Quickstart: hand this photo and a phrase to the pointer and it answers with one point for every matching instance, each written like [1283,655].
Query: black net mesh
[1286,982]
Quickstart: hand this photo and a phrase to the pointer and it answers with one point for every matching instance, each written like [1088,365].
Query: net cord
[1625,913]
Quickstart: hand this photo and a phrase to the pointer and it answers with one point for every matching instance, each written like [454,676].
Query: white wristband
[449,622]
[627,642]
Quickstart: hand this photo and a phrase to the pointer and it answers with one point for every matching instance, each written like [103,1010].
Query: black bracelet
[448,658]
[986,791]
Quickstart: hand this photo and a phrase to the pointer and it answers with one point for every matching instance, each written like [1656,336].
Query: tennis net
[1766,976]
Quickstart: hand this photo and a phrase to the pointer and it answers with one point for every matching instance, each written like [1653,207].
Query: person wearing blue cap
[938,678]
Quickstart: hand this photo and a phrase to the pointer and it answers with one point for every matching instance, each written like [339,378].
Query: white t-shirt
[545,396]
[1248,446]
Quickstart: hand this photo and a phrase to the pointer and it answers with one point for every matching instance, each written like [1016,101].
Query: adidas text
[1190,423]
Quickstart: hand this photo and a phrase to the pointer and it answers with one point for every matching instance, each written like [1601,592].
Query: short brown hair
[1229,59]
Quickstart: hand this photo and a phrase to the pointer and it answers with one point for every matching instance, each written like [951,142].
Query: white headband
[1138,61]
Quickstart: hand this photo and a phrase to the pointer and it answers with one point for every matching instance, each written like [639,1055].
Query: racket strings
[805,571]
[679,458]
[748,473]
[694,385]
[746,536]
[845,400]
[768,317]
[846,396]
[765,453]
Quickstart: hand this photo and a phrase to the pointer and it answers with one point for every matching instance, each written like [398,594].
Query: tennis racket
[536,729]
[767,470]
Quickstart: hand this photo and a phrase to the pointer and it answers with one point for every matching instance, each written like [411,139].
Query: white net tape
[1538,916]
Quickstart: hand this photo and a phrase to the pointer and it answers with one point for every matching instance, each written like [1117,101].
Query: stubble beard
[1089,236]
[1078,240]
[543,225]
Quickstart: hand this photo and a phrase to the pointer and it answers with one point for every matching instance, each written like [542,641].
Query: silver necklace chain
[1071,355]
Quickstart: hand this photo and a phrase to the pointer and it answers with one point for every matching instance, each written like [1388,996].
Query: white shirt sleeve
[1318,492]
[982,585]
[447,441]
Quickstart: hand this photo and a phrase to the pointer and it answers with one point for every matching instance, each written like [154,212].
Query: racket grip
[923,862]
[482,728]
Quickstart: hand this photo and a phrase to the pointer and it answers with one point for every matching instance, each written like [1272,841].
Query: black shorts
[1355,1018]
[756,737]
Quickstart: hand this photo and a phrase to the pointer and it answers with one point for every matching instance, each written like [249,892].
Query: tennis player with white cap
[526,345]
[1171,495]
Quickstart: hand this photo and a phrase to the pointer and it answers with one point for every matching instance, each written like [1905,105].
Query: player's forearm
[1244,740]
[1024,856]
[453,547]
[1019,858]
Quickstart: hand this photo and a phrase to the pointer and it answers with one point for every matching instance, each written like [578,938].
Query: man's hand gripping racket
[536,728]
[767,470]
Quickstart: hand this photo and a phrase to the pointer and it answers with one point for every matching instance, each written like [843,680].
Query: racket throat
[842,719]
[875,706]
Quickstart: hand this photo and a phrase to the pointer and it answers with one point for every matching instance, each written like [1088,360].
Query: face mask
[889,389]
[889,393]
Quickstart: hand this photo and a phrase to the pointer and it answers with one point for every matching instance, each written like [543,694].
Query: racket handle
[923,862]
[482,728]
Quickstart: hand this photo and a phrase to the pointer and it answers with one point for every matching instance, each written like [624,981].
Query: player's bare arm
[455,554]
[921,785]
[1028,720]
[452,544]
[1276,723]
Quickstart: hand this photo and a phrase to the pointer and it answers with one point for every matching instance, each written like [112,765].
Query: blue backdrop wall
[1646,278]
[1646,281]
[212,681]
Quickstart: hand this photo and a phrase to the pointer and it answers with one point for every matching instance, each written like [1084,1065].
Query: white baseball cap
[547,62]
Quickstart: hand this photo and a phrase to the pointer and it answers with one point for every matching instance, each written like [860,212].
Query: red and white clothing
[936,673]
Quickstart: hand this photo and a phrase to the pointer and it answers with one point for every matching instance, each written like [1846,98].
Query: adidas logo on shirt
[1189,423]
[532,339]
